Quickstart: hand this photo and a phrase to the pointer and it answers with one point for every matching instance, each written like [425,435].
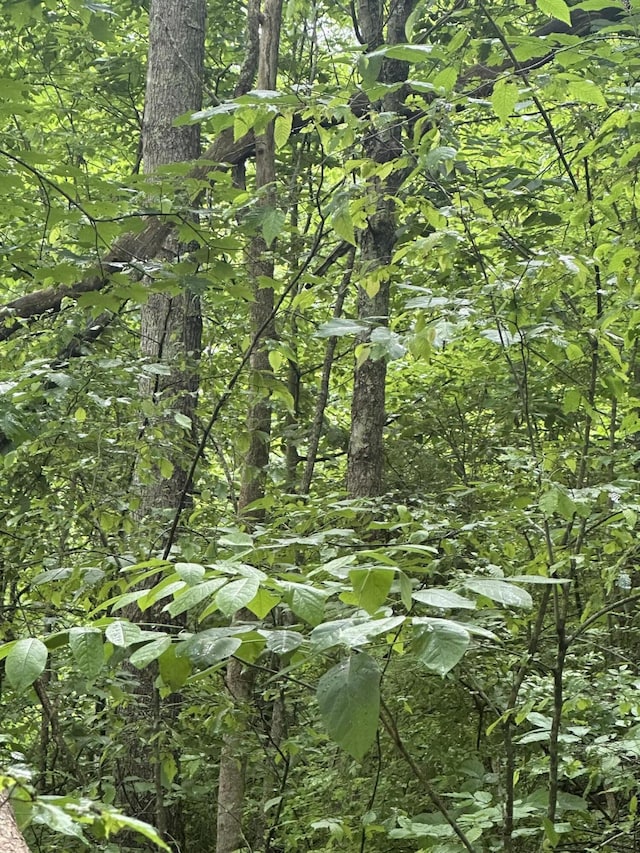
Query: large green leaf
[236,595]
[443,598]
[371,586]
[440,643]
[352,632]
[123,634]
[555,9]
[349,701]
[87,649]
[149,652]
[25,662]
[194,595]
[500,591]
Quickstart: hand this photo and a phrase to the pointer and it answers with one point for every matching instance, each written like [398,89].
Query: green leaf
[190,573]
[443,598]
[282,130]
[504,98]
[263,602]
[586,92]
[555,9]
[182,420]
[149,652]
[353,632]
[406,591]
[174,670]
[371,586]
[440,643]
[272,222]
[121,821]
[307,603]
[87,648]
[349,701]
[500,591]
[25,662]
[342,224]
[340,326]
[123,634]
[56,818]
[282,642]
[194,595]
[236,595]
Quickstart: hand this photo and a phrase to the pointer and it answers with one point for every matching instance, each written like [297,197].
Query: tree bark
[365,464]
[170,335]
[11,840]
[239,680]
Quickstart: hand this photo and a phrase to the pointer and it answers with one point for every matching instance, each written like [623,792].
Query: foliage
[457,659]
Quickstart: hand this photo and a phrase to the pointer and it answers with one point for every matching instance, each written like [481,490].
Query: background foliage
[452,664]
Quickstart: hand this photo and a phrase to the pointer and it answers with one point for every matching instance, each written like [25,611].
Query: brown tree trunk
[239,680]
[11,840]
[365,465]
[170,336]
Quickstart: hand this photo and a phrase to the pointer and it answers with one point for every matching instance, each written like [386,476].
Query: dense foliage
[448,665]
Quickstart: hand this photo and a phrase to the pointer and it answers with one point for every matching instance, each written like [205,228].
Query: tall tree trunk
[239,680]
[170,335]
[366,449]
[11,840]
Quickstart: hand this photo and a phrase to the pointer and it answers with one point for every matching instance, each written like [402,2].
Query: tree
[400,524]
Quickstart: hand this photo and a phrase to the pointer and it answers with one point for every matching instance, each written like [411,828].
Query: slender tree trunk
[239,680]
[366,449]
[11,840]
[170,335]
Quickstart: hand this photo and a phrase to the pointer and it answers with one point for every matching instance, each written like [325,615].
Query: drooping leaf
[123,634]
[500,591]
[149,652]
[349,701]
[25,662]
[443,598]
[504,98]
[340,326]
[307,602]
[282,642]
[371,586]
[440,643]
[236,595]
[555,9]
[194,595]
[272,224]
[86,646]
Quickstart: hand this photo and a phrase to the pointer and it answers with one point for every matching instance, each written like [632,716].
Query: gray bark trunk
[170,335]
[171,326]
[239,680]
[11,840]
[365,466]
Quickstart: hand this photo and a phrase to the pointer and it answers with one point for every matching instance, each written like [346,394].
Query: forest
[319,426]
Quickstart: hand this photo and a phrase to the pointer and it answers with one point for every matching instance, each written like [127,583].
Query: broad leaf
[25,662]
[440,643]
[500,591]
[349,701]
[149,652]
[236,595]
[86,646]
[443,598]
[504,98]
[123,634]
[371,586]
[555,9]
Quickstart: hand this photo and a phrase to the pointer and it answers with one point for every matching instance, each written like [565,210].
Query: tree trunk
[11,840]
[170,335]
[381,144]
[239,680]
